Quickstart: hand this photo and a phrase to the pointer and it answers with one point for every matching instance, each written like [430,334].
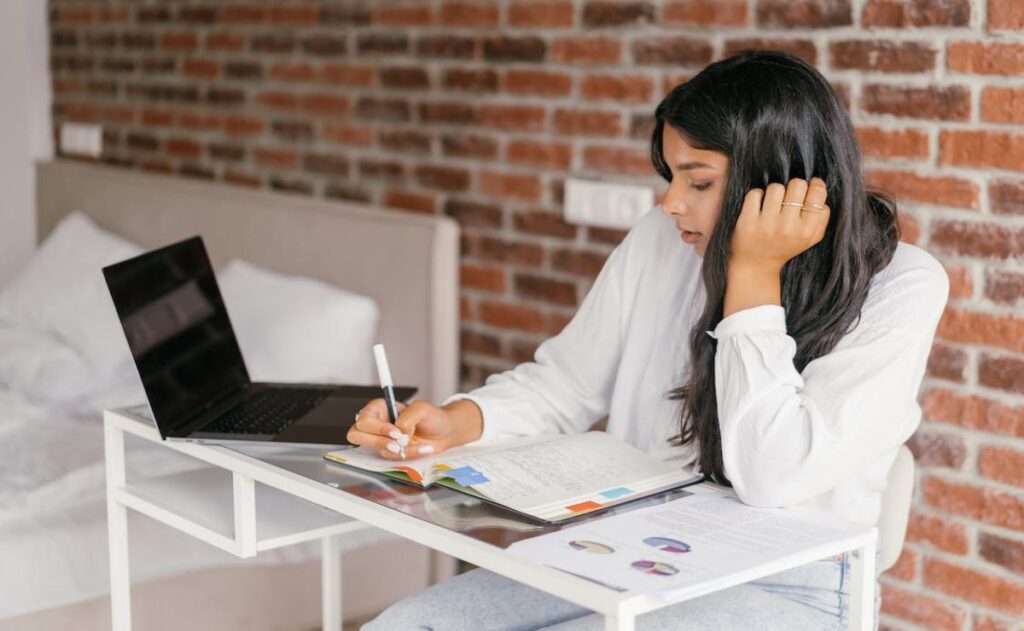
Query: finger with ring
[817,192]
[796,191]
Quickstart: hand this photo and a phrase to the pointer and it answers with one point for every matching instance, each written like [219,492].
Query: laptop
[192,370]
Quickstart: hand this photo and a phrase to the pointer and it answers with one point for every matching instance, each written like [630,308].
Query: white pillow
[298,329]
[61,291]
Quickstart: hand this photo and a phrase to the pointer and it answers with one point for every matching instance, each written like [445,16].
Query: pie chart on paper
[654,568]
[667,545]
[591,546]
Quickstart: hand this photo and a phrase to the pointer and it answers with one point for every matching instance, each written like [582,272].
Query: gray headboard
[407,263]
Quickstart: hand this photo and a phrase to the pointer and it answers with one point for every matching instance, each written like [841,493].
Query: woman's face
[694,197]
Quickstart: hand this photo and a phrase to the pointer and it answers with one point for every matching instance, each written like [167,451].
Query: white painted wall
[24,124]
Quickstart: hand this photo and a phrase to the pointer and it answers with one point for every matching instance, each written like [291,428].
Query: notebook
[551,478]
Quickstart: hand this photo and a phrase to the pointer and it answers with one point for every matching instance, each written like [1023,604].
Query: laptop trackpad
[326,424]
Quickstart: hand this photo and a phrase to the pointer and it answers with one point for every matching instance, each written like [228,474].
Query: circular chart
[667,545]
[654,568]
[591,546]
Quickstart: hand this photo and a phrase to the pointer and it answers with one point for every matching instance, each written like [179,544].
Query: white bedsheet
[53,538]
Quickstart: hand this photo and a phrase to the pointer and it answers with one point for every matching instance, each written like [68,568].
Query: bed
[52,512]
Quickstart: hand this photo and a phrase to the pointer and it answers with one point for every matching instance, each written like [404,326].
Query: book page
[545,479]
[368,459]
[663,550]
[423,470]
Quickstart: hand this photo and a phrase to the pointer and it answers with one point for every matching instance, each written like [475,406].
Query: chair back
[892,523]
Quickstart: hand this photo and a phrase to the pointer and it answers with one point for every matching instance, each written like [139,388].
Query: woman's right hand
[424,428]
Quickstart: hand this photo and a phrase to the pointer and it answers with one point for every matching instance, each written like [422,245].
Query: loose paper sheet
[665,549]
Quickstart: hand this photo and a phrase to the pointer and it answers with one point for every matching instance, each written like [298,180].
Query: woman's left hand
[780,222]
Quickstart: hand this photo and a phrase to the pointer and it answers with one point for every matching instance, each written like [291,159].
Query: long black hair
[776,117]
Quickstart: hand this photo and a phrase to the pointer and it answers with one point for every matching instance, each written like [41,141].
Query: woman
[809,326]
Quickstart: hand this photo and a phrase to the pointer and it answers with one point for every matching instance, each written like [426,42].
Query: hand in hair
[778,223]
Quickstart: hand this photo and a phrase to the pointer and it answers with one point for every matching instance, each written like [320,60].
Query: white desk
[291,510]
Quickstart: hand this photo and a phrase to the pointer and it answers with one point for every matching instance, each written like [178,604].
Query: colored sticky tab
[618,491]
[461,471]
[583,506]
[467,476]
[472,478]
[412,473]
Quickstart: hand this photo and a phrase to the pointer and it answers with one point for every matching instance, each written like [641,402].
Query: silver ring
[812,210]
[792,204]
[809,205]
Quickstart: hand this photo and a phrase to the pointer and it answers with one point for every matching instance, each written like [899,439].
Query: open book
[550,477]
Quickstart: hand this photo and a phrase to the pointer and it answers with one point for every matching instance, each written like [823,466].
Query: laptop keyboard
[269,412]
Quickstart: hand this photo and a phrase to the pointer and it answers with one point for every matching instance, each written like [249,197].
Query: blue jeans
[809,597]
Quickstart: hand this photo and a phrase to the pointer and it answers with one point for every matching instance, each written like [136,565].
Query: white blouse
[822,440]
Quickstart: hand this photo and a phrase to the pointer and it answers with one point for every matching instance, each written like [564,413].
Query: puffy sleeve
[568,386]
[787,436]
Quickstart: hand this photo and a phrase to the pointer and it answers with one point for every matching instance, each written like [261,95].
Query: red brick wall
[480,109]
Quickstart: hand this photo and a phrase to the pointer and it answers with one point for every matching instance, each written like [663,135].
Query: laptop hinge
[210,412]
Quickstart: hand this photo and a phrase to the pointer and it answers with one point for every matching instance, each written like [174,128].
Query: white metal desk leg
[244,492]
[330,583]
[117,532]
[862,588]
[621,622]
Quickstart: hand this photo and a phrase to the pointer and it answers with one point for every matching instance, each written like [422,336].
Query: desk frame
[619,609]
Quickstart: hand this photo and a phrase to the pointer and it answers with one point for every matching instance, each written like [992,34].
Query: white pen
[384,374]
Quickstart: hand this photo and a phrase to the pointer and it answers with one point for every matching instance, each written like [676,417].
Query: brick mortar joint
[920,587]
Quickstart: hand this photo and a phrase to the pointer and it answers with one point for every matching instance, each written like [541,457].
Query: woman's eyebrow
[693,165]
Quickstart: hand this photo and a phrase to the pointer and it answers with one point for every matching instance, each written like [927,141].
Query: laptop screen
[178,331]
